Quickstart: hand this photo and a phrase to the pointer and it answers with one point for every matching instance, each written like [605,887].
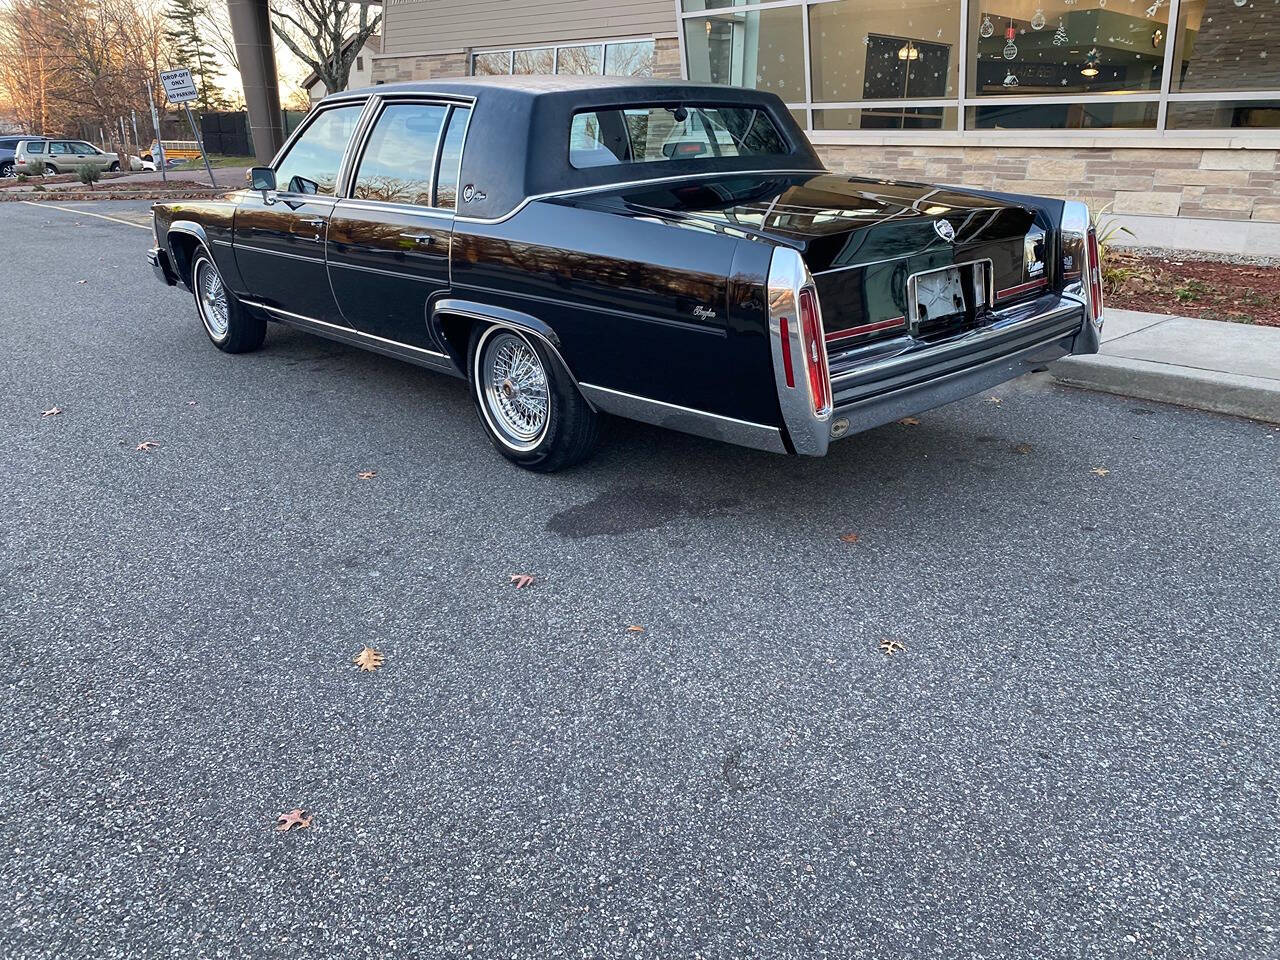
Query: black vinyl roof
[518,139]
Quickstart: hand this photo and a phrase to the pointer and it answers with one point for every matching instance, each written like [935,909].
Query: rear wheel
[527,402]
[50,170]
[229,325]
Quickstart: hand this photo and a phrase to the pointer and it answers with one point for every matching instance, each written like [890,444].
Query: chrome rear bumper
[871,391]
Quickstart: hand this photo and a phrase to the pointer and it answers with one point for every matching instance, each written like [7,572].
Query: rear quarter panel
[640,304]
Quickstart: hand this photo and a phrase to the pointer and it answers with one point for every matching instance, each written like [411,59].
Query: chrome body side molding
[430,359]
[685,419]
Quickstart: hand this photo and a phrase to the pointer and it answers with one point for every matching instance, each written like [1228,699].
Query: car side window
[311,166]
[451,159]
[398,160]
[83,149]
[59,149]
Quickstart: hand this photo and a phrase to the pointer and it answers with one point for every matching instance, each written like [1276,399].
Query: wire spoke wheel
[515,393]
[212,296]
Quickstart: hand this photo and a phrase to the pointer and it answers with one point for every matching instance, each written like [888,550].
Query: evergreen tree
[192,52]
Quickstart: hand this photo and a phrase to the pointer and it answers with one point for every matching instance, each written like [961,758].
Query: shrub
[89,175]
[36,168]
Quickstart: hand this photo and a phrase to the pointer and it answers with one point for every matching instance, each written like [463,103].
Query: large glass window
[655,134]
[312,163]
[398,159]
[623,58]
[629,59]
[1224,47]
[580,60]
[1027,64]
[488,64]
[540,60]
[879,49]
[763,49]
[1057,48]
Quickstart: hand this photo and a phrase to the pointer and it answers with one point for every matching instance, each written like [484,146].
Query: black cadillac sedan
[671,252]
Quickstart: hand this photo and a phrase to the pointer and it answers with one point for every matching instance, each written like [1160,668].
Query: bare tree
[325,35]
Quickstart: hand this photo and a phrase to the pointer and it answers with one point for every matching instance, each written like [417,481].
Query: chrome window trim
[700,423]
[306,125]
[462,152]
[354,156]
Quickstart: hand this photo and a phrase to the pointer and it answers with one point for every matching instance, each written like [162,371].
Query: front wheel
[6,170]
[527,402]
[114,168]
[229,325]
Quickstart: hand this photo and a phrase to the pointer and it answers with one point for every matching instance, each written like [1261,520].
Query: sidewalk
[1207,364]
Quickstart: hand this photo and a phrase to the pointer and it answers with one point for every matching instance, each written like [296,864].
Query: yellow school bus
[175,150]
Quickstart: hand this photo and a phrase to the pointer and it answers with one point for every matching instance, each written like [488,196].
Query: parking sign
[178,85]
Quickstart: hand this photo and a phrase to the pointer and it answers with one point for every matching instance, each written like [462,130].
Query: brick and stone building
[1165,111]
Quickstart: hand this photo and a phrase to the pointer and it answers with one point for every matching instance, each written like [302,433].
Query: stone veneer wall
[1166,181]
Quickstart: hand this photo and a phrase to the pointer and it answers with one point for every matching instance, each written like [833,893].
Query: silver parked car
[64,156]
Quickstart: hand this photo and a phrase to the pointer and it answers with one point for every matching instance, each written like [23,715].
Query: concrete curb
[1257,398]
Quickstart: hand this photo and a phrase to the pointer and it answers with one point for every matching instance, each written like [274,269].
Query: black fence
[228,133]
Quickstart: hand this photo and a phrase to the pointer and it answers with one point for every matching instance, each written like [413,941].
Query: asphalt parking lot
[1075,755]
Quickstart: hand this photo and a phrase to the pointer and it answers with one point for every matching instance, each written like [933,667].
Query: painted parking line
[86,213]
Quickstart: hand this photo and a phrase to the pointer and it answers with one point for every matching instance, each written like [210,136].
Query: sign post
[180,88]
[155,124]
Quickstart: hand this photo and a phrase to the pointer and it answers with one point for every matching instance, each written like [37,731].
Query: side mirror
[262,178]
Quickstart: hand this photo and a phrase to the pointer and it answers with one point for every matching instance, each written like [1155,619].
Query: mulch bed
[1240,293]
[173,190]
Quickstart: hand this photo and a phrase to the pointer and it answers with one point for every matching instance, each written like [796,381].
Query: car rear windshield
[643,134]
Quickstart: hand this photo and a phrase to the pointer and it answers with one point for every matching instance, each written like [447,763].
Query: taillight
[1093,274]
[799,353]
[815,352]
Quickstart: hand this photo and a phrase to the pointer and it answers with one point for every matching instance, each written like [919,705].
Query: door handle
[421,239]
[318,223]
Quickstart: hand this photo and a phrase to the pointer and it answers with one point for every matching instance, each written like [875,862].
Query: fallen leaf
[191,403]
[294,818]
[51,412]
[890,647]
[1099,471]
[521,580]
[368,659]
[910,421]
[1022,448]
[147,445]
[850,538]
[82,281]
[367,474]
[996,400]
[635,629]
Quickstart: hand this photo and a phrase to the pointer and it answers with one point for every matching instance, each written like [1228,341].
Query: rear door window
[311,166]
[662,133]
[451,159]
[398,160]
